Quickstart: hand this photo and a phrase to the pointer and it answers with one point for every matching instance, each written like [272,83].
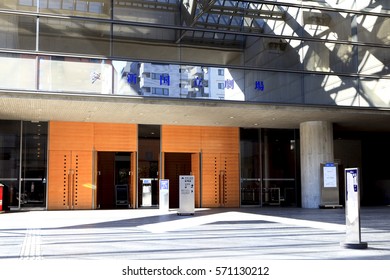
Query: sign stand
[352,211]
[186,195]
[329,186]
[164,195]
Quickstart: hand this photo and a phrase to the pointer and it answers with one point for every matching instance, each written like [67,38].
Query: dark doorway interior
[113,170]
[176,164]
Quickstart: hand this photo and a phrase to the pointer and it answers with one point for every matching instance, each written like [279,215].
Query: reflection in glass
[94,8]
[75,75]
[331,90]
[178,81]
[17,32]
[33,191]
[74,36]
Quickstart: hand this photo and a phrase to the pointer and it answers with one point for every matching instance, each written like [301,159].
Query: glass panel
[148,164]
[156,12]
[329,57]
[17,32]
[267,86]
[279,167]
[374,61]
[10,159]
[140,42]
[250,167]
[331,90]
[274,53]
[375,92]
[19,5]
[373,29]
[75,75]
[326,25]
[74,36]
[170,80]
[379,6]
[17,71]
[34,165]
[97,8]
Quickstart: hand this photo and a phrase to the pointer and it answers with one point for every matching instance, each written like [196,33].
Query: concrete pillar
[316,139]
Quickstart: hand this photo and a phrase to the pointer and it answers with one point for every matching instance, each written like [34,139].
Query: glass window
[96,8]
[155,12]
[74,36]
[375,92]
[373,29]
[331,90]
[182,81]
[75,75]
[17,71]
[19,5]
[274,53]
[267,86]
[145,43]
[329,57]
[374,61]
[33,191]
[17,32]
[160,91]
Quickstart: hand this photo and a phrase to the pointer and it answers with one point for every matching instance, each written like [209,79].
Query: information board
[164,195]
[186,195]
[329,185]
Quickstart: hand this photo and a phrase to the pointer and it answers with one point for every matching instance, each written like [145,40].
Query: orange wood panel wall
[220,148]
[181,139]
[67,143]
[68,136]
[115,137]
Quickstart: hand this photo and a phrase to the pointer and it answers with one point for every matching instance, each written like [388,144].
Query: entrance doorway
[176,164]
[114,180]
[269,167]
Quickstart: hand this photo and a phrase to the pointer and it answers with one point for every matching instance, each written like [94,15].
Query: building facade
[102,99]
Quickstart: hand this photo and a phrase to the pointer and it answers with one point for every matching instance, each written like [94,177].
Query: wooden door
[220,180]
[70,180]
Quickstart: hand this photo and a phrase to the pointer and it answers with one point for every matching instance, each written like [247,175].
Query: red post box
[1,196]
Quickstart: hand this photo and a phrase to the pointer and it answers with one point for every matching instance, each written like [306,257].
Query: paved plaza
[150,234]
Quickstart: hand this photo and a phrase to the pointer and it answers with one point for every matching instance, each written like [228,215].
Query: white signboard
[164,195]
[330,176]
[186,195]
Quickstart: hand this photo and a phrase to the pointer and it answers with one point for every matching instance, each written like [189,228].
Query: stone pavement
[150,234]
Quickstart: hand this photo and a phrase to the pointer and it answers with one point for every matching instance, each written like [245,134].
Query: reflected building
[250,97]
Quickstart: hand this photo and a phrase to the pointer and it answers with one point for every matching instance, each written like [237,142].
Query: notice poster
[330,176]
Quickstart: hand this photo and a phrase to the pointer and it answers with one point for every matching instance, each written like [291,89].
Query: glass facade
[23,162]
[307,52]
[269,167]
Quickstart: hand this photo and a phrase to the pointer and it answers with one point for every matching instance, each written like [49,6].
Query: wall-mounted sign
[259,85]
[132,78]
[165,80]
[229,84]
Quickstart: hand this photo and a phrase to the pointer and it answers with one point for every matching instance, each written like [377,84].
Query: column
[316,139]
